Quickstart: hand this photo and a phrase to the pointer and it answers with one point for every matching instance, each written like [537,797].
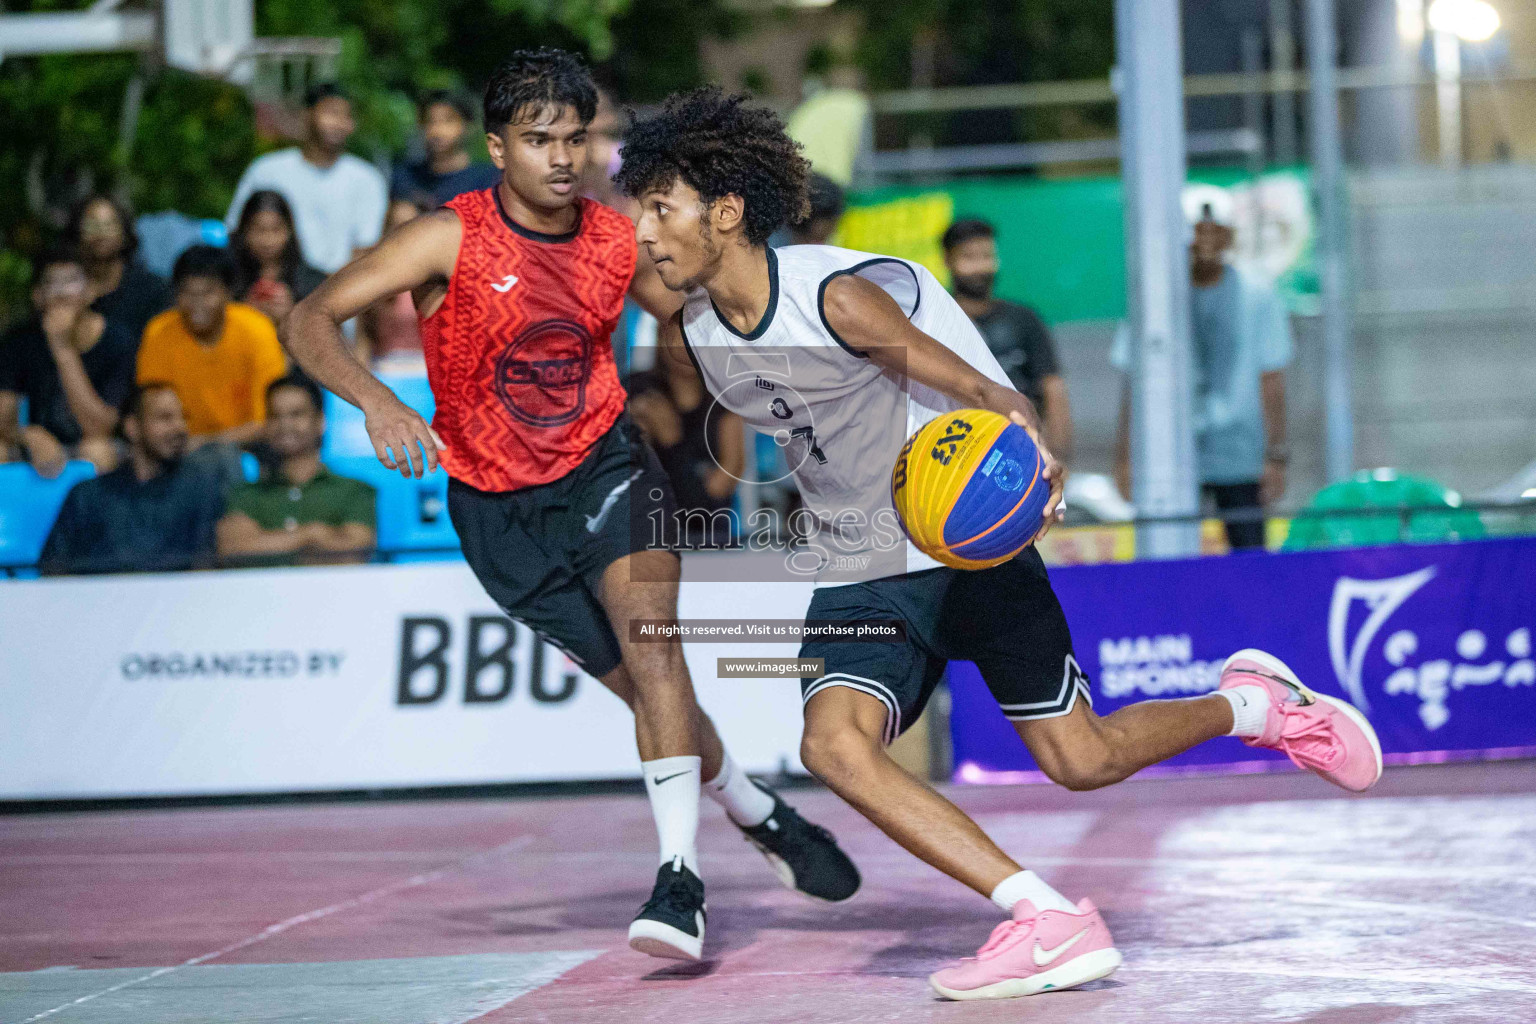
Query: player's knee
[620,685]
[659,671]
[837,755]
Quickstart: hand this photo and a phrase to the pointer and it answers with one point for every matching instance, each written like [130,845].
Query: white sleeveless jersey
[839,418]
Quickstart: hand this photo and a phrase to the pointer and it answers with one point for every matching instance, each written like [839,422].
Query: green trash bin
[1380,497]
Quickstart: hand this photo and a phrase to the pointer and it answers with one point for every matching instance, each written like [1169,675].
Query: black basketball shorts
[540,552]
[1006,619]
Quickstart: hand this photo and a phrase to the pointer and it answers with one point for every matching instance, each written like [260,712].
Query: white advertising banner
[334,678]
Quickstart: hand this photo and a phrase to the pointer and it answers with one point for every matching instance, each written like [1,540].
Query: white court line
[1437,980]
[1504,874]
[1409,909]
[901,863]
[1361,871]
[221,857]
[1434,979]
[298,919]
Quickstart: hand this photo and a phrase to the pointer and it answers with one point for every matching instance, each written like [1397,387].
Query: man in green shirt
[299,511]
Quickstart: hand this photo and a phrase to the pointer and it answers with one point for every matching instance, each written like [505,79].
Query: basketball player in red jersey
[519,288]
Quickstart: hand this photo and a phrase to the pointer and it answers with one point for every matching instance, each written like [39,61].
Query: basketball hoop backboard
[277,71]
[209,37]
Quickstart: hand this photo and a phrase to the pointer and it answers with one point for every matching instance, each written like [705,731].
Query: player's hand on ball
[1053,472]
[402,439]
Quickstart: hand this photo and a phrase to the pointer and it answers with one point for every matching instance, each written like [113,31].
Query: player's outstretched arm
[870,322]
[419,257]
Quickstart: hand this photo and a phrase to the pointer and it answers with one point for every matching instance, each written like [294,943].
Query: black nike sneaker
[671,924]
[805,856]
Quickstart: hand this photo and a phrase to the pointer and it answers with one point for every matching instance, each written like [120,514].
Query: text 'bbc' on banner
[317,679]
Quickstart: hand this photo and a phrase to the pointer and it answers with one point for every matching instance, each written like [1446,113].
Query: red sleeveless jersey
[519,354]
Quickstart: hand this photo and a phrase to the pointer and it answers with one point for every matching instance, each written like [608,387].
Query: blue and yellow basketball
[970,488]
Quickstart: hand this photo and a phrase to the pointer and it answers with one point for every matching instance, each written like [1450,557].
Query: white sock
[1026,885]
[672,783]
[1250,709]
[743,802]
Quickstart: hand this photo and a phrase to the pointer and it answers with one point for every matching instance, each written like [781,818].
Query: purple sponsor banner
[1434,643]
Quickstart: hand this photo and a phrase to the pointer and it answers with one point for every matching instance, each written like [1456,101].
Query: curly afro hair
[720,146]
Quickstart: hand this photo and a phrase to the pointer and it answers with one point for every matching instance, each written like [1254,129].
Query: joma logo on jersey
[945,447]
[541,378]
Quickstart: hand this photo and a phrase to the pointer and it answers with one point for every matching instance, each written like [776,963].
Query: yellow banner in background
[1116,542]
[908,228]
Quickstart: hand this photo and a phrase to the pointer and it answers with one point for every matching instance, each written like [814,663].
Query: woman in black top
[72,365]
[272,275]
[121,288]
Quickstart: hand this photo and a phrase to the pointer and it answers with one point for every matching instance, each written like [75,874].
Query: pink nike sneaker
[1317,732]
[1033,952]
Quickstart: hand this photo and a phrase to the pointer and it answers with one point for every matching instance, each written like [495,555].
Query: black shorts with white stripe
[540,552]
[1006,619]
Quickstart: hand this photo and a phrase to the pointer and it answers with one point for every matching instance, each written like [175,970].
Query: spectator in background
[121,288]
[299,511]
[634,337]
[1014,332]
[605,138]
[1240,336]
[702,447]
[219,355]
[337,199]
[154,512]
[270,272]
[390,331]
[826,211]
[73,366]
[445,119]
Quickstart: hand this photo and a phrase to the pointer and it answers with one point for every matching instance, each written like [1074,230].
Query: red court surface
[1246,899]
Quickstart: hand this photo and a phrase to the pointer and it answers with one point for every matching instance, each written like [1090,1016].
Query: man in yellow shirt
[218,354]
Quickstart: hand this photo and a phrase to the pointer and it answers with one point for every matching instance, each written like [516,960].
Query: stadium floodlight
[1455,22]
[1410,21]
[1473,21]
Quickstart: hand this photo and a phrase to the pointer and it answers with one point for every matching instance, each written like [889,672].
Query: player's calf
[1082,751]
[1079,751]
[1081,771]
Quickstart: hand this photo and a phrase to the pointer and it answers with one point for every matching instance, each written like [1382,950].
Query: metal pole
[1150,54]
[1332,236]
[23,35]
[128,117]
[1253,100]
[1447,49]
[1282,50]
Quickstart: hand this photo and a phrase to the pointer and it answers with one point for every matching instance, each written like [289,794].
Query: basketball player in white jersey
[841,355]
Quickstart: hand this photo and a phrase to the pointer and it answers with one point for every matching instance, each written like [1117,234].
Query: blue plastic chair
[28,506]
[413,514]
[346,433]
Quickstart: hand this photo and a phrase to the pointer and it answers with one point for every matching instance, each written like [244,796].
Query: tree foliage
[195,135]
[985,42]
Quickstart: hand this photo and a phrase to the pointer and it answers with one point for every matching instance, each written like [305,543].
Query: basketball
[970,488]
